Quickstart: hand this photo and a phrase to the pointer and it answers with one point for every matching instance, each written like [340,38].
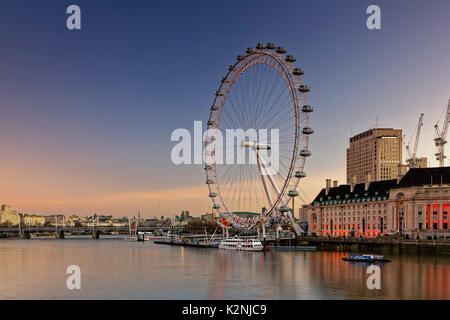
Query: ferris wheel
[262,91]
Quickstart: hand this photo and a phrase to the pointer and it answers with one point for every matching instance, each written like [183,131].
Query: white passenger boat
[131,238]
[241,244]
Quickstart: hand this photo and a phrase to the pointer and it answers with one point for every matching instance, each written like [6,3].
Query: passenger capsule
[239,58]
[210,122]
[284,209]
[290,59]
[209,181]
[307,108]
[250,50]
[307,130]
[214,108]
[230,68]
[216,206]
[219,94]
[303,88]
[271,46]
[298,72]
[260,46]
[281,50]
[292,193]
[300,174]
[213,194]
[208,167]
[305,153]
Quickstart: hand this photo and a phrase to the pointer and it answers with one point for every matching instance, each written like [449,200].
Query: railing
[85,228]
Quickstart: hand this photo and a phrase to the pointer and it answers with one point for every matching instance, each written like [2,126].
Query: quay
[376,245]
[293,248]
[384,244]
[185,243]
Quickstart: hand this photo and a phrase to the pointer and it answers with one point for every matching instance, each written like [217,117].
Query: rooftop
[419,177]
[377,191]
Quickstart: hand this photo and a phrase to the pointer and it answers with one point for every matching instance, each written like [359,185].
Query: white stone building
[416,206]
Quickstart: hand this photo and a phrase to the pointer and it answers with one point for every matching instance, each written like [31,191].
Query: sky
[86,115]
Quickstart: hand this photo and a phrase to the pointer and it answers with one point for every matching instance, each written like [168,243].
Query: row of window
[340,214]
[354,219]
[374,226]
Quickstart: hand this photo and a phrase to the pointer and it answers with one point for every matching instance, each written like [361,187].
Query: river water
[117,269]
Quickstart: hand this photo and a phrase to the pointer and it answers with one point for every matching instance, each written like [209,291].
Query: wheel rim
[260,91]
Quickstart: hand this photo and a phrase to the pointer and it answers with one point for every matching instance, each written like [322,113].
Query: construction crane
[441,136]
[413,161]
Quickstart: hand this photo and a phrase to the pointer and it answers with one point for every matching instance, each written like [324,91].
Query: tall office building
[374,154]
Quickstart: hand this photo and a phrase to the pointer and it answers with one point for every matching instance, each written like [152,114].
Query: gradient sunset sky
[86,116]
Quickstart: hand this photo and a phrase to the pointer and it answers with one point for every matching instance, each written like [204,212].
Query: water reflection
[116,269]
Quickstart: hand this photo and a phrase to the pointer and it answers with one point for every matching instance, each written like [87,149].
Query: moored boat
[131,238]
[366,258]
[241,244]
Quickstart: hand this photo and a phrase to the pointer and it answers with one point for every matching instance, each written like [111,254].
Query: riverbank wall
[381,246]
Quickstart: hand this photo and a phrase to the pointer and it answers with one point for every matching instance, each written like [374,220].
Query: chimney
[335,183]
[328,185]
[352,185]
[368,180]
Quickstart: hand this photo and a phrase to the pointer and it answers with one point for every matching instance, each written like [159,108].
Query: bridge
[60,231]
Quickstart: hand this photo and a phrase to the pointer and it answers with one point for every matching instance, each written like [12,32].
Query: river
[117,269]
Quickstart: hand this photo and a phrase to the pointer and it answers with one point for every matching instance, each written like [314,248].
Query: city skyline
[86,118]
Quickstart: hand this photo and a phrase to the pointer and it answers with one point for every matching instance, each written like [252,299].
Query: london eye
[262,91]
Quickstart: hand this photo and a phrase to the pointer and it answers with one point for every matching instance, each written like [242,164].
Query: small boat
[143,236]
[241,244]
[131,238]
[366,258]
[133,234]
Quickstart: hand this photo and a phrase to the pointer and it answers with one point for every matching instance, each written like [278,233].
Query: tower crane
[441,136]
[412,161]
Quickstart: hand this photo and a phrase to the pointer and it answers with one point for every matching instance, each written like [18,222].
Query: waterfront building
[9,216]
[375,151]
[55,220]
[415,206]
[355,210]
[33,220]
[419,204]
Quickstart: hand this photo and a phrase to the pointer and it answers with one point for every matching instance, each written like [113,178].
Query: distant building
[55,220]
[8,216]
[184,215]
[32,220]
[421,162]
[246,214]
[377,152]
[207,217]
[303,212]
[417,206]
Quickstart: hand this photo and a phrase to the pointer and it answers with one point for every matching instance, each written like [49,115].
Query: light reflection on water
[117,269]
